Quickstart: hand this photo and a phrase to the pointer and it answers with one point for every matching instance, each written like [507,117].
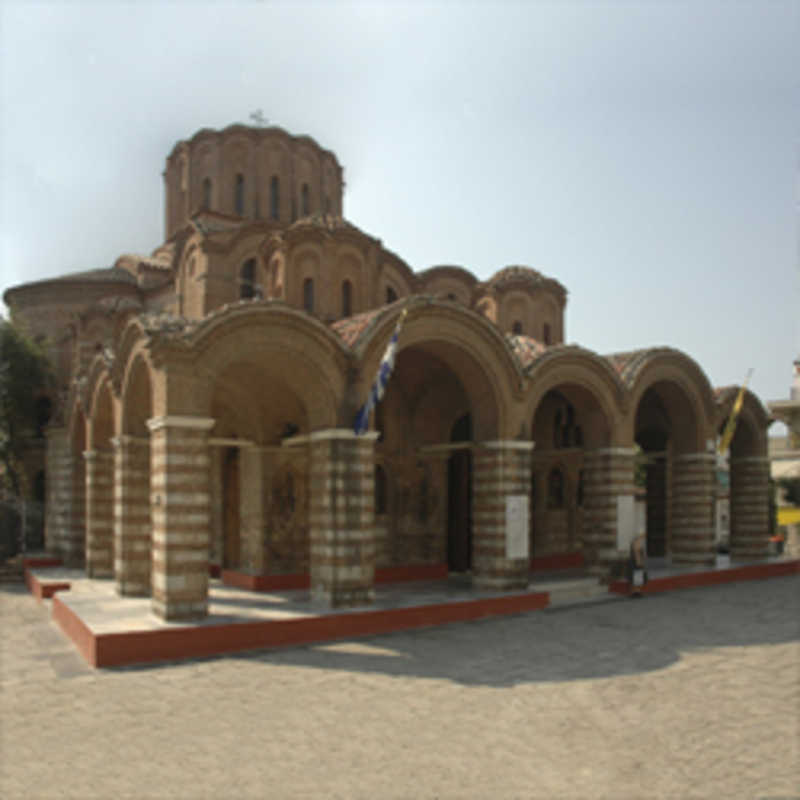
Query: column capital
[506,444]
[125,439]
[180,421]
[330,434]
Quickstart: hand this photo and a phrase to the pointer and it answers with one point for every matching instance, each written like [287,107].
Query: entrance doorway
[459,496]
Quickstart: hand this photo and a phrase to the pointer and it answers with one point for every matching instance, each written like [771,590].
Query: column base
[173,612]
[503,583]
[342,597]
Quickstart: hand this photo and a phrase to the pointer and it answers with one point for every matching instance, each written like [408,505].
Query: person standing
[637,564]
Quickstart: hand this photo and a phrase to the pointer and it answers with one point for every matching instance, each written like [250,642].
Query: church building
[208,391]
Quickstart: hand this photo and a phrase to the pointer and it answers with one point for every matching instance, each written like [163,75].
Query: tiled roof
[626,365]
[350,329]
[102,275]
[526,349]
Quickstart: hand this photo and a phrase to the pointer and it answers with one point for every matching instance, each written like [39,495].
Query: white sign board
[626,521]
[517,526]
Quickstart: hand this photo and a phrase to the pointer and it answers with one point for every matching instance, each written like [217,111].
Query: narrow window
[275,198]
[580,492]
[347,299]
[305,199]
[308,295]
[380,490]
[238,195]
[391,295]
[247,280]
[516,328]
[546,333]
[207,193]
[555,489]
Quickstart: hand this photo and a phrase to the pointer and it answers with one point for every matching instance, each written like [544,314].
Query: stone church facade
[207,395]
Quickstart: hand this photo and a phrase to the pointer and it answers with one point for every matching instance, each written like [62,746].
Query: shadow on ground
[573,643]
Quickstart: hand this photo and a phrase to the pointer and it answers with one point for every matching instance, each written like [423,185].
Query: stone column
[132,516]
[99,513]
[180,513]
[500,552]
[749,506]
[692,500]
[608,506]
[62,502]
[251,489]
[342,517]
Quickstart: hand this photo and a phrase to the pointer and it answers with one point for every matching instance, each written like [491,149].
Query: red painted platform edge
[118,649]
[44,591]
[214,570]
[43,561]
[276,583]
[711,578]
[557,561]
[74,627]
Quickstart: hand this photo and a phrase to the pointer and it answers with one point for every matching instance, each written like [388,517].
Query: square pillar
[251,510]
[692,540]
[749,508]
[99,513]
[180,512]
[608,506]
[501,483]
[342,517]
[132,544]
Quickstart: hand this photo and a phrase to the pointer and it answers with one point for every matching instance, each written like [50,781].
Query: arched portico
[444,447]
[671,422]
[580,468]
[749,476]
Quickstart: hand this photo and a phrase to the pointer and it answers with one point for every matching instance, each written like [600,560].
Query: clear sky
[645,154]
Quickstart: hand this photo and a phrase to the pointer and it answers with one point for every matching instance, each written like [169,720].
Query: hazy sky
[644,154]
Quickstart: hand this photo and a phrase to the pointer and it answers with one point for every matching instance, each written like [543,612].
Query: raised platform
[110,630]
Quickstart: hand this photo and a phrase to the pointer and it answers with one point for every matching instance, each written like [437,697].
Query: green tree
[24,374]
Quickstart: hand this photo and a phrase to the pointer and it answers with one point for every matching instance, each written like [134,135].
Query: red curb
[42,590]
[118,649]
[710,578]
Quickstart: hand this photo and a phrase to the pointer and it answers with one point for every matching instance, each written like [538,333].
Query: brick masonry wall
[132,545]
[749,504]
[342,518]
[99,513]
[180,509]
[608,473]
[499,470]
[65,530]
[692,540]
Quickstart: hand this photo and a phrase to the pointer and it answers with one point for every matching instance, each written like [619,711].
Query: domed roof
[516,275]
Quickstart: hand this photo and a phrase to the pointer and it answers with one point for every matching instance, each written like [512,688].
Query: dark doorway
[230,508]
[459,508]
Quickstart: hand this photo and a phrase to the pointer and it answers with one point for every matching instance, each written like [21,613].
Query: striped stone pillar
[180,515]
[64,524]
[132,555]
[749,508]
[252,510]
[608,503]
[99,513]
[501,482]
[692,540]
[342,517]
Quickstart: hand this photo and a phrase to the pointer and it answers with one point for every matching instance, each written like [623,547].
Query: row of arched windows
[347,297]
[274,198]
[517,329]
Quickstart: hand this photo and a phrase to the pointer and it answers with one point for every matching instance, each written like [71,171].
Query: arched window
[275,197]
[308,295]
[305,200]
[238,195]
[206,193]
[391,295]
[380,490]
[44,409]
[546,333]
[555,489]
[516,328]
[247,279]
[347,299]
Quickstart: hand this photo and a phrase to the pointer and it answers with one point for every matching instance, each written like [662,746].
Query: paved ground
[689,694]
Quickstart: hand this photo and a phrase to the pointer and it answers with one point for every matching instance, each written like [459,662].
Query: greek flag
[730,428]
[381,379]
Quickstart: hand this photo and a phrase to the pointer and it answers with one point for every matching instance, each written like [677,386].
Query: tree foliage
[25,374]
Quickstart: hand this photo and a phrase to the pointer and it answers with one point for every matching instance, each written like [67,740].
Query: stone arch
[671,421]
[467,344]
[748,466]
[574,408]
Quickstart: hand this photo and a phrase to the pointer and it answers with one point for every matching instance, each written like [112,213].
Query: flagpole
[730,427]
